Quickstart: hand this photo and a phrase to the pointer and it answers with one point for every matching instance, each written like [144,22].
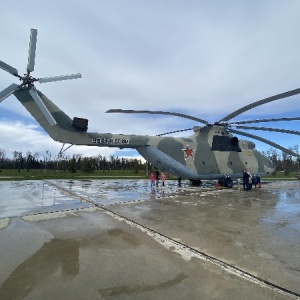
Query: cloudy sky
[202,58]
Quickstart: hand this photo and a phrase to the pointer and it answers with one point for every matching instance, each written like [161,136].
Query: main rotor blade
[270,129]
[264,141]
[59,78]
[260,102]
[8,68]
[8,91]
[129,111]
[42,106]
[31,52]
[266,120]
[161,134]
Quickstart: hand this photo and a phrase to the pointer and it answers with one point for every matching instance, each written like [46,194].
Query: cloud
[21,137]
[202,58]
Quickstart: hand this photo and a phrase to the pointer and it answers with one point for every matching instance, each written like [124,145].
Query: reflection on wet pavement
[57,257]
[128,290]
[29,197]
[108,192]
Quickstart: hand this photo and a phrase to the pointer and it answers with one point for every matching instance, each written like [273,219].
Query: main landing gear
[195,182]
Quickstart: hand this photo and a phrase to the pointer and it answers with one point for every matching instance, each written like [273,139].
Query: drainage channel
[184,249]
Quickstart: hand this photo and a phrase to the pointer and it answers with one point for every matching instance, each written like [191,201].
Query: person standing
[228,181]
[163,178]
[254,180]
[157,177]
[258,180]
[179,181]
[238,180]
[152,180]
[246,179]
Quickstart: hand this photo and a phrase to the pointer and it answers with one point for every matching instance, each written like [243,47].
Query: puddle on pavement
[19,198]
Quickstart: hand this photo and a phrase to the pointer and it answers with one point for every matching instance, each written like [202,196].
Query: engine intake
[225,143]
[80,123]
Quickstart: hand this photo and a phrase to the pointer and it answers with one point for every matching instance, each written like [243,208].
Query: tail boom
[65,132]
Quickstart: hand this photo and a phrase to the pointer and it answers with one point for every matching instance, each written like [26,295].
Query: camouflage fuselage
[209,153]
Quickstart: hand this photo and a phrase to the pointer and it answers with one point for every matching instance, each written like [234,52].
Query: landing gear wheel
[195,182]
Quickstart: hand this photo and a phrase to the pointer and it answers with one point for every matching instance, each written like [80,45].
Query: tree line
[72,164]
[283,161]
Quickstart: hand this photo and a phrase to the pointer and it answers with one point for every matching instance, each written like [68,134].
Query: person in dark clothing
[246,179]
[179,181]
[254,180]
[228,181]
[258,181]
[157,177]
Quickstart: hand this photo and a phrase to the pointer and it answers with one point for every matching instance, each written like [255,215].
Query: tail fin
[64,131]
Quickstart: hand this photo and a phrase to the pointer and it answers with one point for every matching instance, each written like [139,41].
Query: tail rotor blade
[59,78]
[8,91]
[42,106]
[8,68]
[32,48]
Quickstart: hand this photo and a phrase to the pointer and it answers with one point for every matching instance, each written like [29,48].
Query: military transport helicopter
[209,153]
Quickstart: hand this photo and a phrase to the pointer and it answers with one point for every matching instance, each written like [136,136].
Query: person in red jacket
[152,180]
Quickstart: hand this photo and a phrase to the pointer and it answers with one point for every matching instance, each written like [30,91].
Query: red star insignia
[188,152]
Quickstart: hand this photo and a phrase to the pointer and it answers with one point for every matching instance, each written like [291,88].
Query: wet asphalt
[117,239]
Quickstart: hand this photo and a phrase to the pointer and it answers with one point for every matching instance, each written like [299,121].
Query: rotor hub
[27,80]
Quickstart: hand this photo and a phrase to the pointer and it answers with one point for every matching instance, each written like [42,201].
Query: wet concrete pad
[85,253]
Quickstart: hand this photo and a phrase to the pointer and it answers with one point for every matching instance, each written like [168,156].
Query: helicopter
[210,152]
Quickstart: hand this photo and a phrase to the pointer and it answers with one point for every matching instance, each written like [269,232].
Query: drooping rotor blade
[59,78]
[8,91]
[42,106]
[266,120]
[264,141]
[270,129]
[8,68]
[129,111]
[161,134]
[31,52]
[260,102]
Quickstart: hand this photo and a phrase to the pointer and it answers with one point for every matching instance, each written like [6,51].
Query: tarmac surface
[117,239]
